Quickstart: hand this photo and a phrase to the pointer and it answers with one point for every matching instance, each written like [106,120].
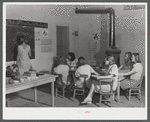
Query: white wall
[130,33]
[42,61]
[130,29]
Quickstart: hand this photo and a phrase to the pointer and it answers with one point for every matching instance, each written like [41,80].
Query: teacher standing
[24,55]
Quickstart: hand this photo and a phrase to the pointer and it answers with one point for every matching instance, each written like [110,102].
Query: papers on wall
[45,49]
[37,35]
[45,33]
[46,45]
[46,41]
[42,40]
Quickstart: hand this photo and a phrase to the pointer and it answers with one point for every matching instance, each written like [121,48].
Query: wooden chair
[60,88]
[135,90]
[106,94]
[76,89]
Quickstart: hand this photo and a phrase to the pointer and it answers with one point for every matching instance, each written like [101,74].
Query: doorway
[62,41]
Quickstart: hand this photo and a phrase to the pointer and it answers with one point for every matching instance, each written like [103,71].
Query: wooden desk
[11,88]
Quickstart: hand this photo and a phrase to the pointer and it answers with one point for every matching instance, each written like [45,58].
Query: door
[62,41]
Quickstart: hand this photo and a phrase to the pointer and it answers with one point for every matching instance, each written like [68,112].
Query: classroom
[59,55]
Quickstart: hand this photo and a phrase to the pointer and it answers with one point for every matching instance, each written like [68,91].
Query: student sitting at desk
[102,68]
[127,65]
[72,61]
[134,75]
[112,72]
[84,69]
[61,68]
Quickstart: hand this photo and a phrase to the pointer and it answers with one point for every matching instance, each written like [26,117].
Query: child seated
[62,69]
[72,61]
[127,65]
[83,69]
[112,72]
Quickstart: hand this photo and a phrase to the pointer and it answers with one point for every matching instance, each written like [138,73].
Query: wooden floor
[26,99]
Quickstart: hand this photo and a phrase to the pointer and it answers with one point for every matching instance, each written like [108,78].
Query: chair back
[59,81]
[83,76]
[107,81]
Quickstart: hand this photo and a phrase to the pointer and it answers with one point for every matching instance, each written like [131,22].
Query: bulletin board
[12,42]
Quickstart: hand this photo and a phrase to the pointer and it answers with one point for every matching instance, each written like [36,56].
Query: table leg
[118,92]
[35,94]
[7,102]
[52,93]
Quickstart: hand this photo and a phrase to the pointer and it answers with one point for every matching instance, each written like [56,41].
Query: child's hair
[72,55]
[111,59]
[128,62]
[61,60]
[137,57]
[129,55]
[81,59]
[58,60]
[14,66]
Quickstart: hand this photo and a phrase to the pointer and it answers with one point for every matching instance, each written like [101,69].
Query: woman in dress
[135,74]
[24,55]
[72,61]
[112,72]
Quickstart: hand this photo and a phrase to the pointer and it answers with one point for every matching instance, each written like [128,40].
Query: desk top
[10,88]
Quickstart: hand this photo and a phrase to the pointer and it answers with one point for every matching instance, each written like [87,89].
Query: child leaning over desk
[84,69]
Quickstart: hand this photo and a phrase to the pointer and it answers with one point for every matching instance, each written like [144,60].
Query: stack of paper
[30,73]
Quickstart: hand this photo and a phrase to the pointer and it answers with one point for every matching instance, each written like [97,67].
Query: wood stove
[110,11]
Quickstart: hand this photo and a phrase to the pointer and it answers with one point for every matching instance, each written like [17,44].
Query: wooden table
[118,88]
[11,88]
[119,79]
[118,91]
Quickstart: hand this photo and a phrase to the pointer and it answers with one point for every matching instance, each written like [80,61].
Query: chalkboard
[12,42]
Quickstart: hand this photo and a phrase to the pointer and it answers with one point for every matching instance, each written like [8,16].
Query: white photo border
[72,113]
